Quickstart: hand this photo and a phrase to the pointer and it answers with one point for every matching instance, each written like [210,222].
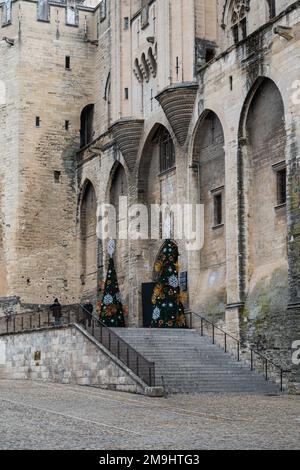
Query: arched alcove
[86,125]
[89,241]
[209,159]
[119,189]
[262,204]
[157,184]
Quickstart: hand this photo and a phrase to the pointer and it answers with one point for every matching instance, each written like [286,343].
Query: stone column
[293,211]
[233,261]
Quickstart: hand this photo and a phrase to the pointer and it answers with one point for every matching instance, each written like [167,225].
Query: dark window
[218,209]
[67,125]
[243,25]
[167,152]
[57,176]
[37,121]
[68,62]
[235,33]
[126,23]
[209,55]
[231,83]
[281,186]
[86,129]
[126,94]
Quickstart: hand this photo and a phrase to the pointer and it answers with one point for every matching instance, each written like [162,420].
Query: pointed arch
[89,240]
[261,158]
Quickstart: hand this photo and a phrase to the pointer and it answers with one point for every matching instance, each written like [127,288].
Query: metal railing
[33,321]
[135,361]
[257,360]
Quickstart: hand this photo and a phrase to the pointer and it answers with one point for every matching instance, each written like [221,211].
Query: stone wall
[68,356]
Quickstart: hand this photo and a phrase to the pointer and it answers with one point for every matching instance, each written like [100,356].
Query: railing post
[267,377]
[30,322]
[22,323]
[238,351]
[127,358]
[191,320]
[202,330]
[137,366]
[281,380]
[39,320]
[213,338]
[118,349]
[225,342]
[14,322]
[252,364]
[93,327]
[109,341]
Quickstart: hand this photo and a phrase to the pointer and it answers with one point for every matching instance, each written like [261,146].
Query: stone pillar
[233,274]
[293,203]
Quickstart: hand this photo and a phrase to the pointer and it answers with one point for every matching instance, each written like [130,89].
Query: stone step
[190,363]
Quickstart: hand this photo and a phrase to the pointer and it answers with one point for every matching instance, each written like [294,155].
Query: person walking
[56,312]
[88,312]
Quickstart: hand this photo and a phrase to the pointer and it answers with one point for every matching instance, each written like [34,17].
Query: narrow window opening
[235,33]
[57,175]
[281,187]
[243,25]
[209,55]
[67,125]
[126,93]
[231,83]
[68,62]
[218,209]
[126,23]
[167,152]
[37,121]
[86,129]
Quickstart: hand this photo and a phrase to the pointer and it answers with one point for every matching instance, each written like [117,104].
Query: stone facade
[221,78]
[67,356]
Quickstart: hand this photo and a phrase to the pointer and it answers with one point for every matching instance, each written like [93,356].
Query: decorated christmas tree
[168,310]
[111,308]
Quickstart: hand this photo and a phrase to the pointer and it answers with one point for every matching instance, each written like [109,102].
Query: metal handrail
[252,351]
[33,321]
[121,349]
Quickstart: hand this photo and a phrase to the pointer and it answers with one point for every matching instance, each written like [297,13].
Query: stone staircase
[190,363]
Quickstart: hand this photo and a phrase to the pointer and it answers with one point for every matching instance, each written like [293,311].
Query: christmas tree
[111,308]
[168,310]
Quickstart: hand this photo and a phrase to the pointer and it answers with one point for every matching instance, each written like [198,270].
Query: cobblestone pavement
[49,416]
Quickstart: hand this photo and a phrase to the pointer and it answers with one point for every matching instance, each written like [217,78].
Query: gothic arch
[88,240]
[207,186]
[261,151]
[146,157]
[118,187]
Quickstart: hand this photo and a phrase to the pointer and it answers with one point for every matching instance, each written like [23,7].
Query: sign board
[183,281]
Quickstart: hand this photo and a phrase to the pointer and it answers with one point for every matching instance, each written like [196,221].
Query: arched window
[86,125]
[239,9]
[167,152]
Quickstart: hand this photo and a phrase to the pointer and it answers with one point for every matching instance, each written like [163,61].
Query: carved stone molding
[178,103]
[127,133]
